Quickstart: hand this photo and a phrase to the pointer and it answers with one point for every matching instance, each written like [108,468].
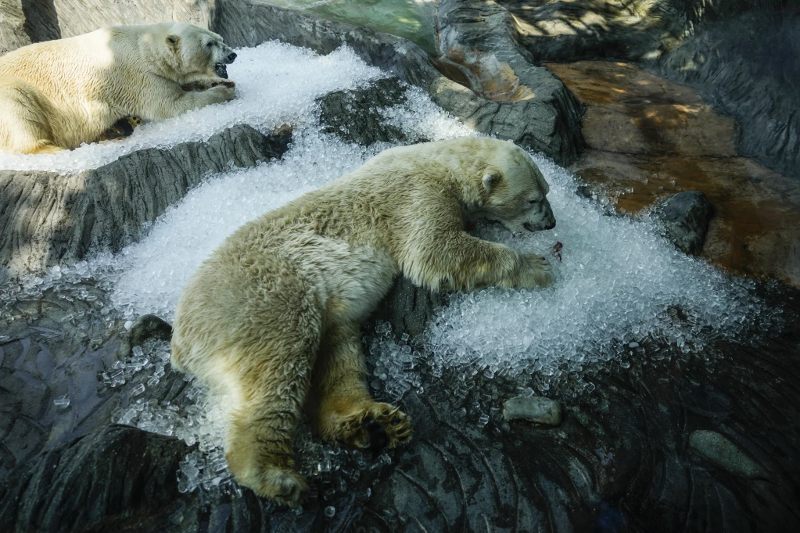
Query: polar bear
[272,318]
[59,94]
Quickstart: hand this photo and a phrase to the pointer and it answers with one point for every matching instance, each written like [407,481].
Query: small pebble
[537,409]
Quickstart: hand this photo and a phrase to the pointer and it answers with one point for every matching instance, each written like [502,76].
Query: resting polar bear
[59,94]
[272,317]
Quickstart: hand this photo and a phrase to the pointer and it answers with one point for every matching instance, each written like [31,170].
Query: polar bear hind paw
[284,486]
[280,484]
[376,426]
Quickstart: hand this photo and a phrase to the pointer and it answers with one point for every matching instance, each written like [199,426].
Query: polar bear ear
[490,180]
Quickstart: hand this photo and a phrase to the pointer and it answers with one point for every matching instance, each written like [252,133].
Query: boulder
[685,217]
[355,115]
[545,119]
[47,218]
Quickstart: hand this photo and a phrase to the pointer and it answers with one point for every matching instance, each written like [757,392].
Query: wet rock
[146,327]
[115,473]
[721,452]
[648,137]
[47,218]
[355,116]
[685,217]
[537,409]
[408,307]
[542,115]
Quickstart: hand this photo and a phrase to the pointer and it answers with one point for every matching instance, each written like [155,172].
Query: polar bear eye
[209,45]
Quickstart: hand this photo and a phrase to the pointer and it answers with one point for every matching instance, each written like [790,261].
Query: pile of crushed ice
[618,282]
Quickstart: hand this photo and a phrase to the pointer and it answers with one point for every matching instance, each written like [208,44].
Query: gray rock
[355,116]
[685,217]
[746,66]
[408,307]
[114,474]
[545,120]
[721,452]
[537,409]
[146,327]
[508,95]
[12,26]
[47,218]
[56,19]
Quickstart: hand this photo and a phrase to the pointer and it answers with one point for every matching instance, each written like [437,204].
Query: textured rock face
[648,137]
[685,217]
[23,22]
[747,67]
[12,26]
[355,115]
[544,119]
[47,218]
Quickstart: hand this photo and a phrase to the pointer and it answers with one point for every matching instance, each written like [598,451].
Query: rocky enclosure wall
[48,218]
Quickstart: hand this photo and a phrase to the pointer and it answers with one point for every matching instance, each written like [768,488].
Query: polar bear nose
[231,57]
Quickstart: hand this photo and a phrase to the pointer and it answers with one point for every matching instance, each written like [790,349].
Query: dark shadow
[41,20]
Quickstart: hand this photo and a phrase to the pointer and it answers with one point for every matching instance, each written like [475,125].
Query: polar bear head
[514,191]
[197,51]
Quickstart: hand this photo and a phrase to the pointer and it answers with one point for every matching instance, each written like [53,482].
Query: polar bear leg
[343,409]
[272,390]
[180,101]
[25,127]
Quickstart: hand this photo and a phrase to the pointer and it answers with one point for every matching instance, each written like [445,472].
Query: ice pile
[618,284]
[276,83]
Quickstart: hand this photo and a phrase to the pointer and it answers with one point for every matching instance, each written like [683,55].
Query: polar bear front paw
[535,271]
[223,92]
[375,426]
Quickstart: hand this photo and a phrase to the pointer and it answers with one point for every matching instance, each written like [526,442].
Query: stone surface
[12,26]
[746,66]
[408,307]
[146,327]
[685,217]
[649,137]
[544,121]
[721,452]
[47,218]
[44,20]
[537,409]
[97,483]
[354,116]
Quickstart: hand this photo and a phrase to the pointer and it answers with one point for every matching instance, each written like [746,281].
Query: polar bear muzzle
[220,69]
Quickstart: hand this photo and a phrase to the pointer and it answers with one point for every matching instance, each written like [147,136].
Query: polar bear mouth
[221,70]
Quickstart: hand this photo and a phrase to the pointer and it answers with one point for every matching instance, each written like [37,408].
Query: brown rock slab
[650,138]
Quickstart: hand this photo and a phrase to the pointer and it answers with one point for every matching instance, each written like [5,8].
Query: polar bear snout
[220,69]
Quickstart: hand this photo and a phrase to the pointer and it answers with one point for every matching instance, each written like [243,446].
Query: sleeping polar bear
[59,94]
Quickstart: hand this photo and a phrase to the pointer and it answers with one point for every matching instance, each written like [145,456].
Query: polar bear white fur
[272,318]
[59,94]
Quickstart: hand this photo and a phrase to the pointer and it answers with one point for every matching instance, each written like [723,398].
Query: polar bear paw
[535,271]
[284,486]
[375,426]
[279,483]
